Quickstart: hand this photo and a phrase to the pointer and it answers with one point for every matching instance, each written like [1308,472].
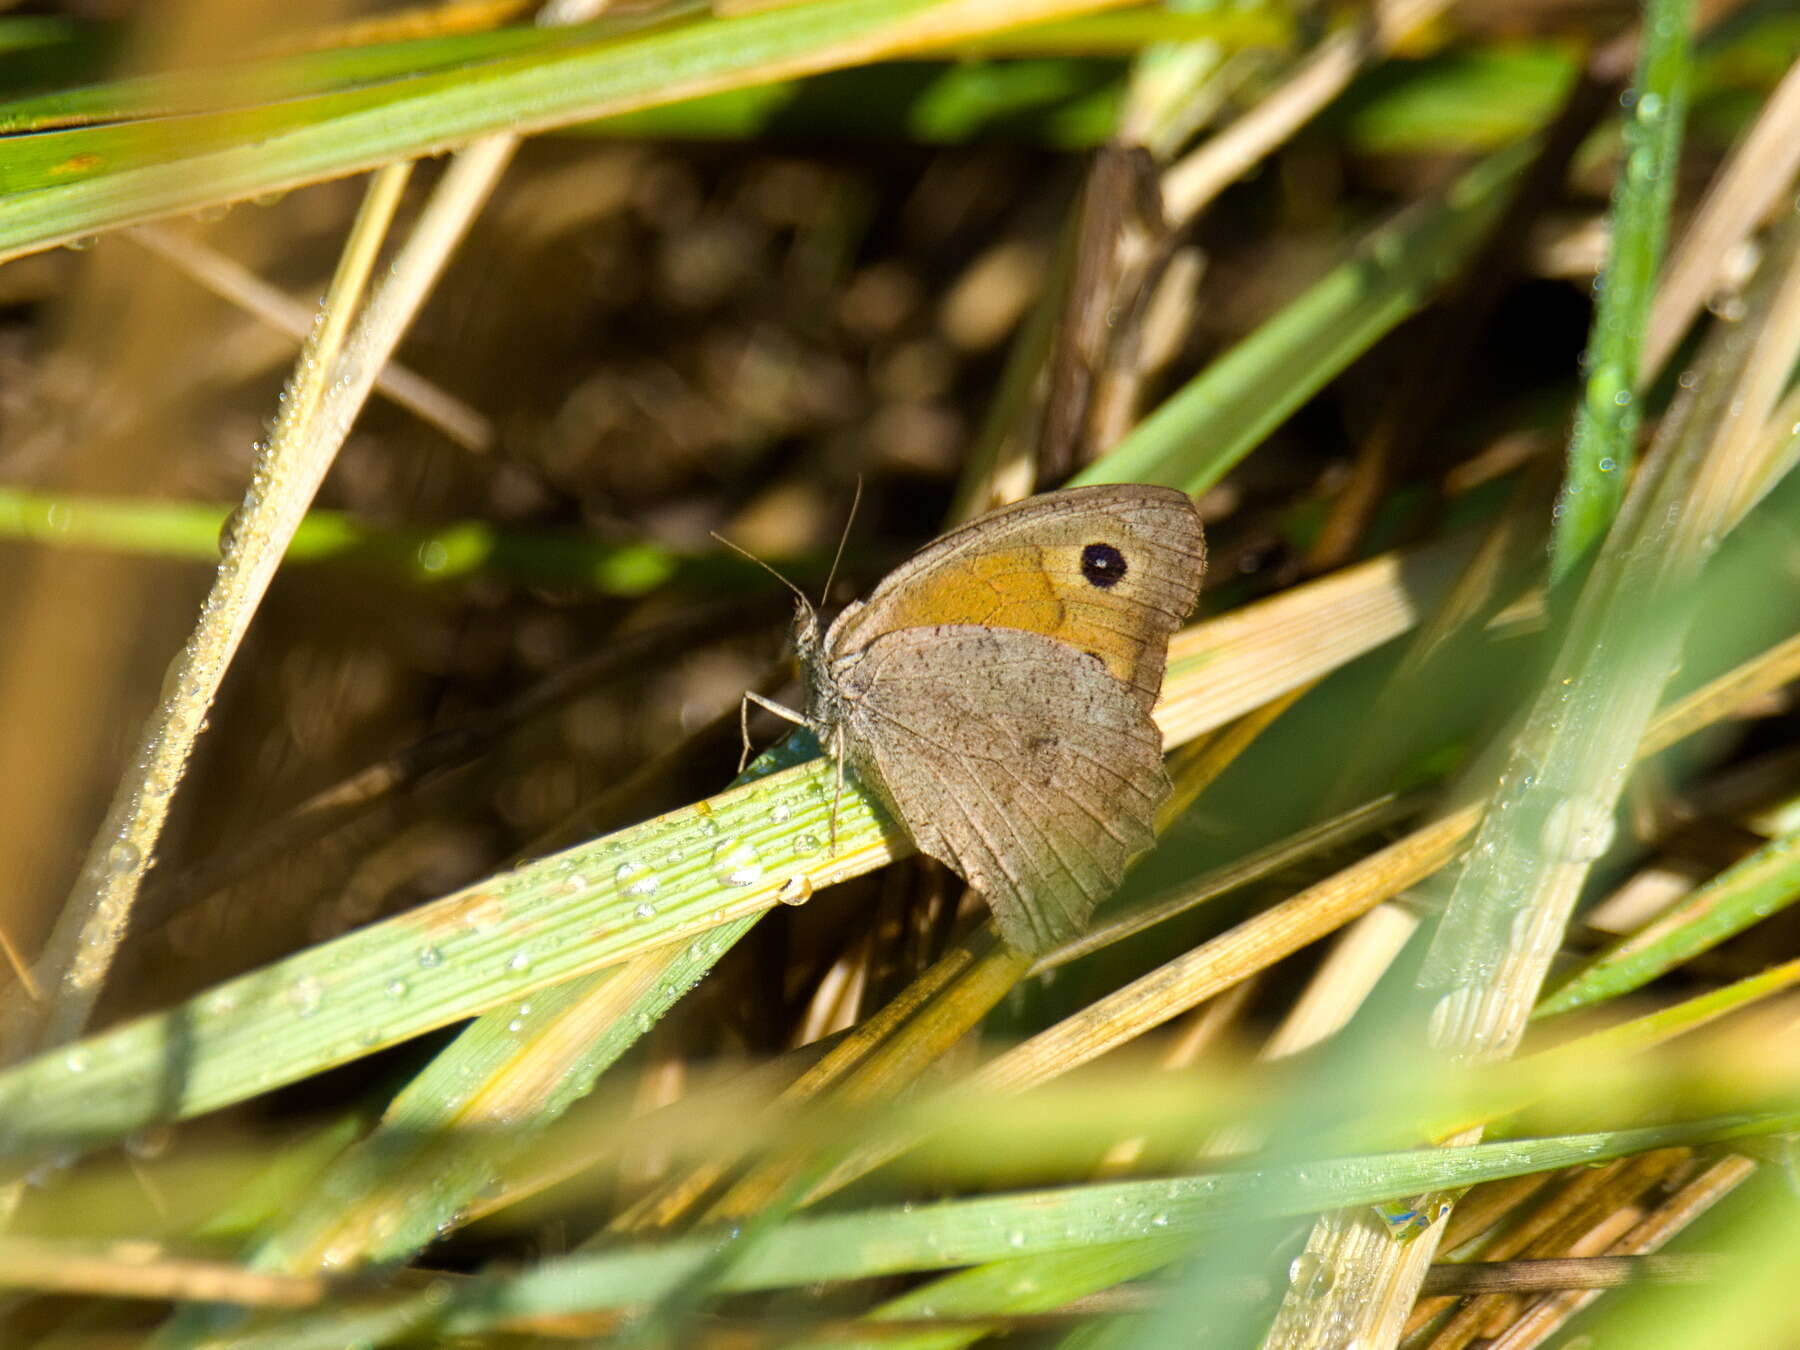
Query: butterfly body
[995,692]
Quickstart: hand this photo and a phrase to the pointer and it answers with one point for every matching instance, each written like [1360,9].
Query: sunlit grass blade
[494,943]
[135,172]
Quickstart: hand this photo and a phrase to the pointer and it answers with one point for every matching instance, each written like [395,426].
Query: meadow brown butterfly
[995,692]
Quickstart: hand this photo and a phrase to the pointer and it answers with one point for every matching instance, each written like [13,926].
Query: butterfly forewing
[1111,570]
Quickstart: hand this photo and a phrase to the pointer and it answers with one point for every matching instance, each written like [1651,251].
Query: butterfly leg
[781,710]
[837,787]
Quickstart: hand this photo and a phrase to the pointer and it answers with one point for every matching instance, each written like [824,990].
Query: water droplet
[1015,1239]
[1604,387]
[76,1061]
[208,215]
[736,863]
[805,844]
[123,856]
[430,958]
[645,911]
[306,993]
[780,812]
[518,963]
[1650,107]
[796,890]
[398,988]
[81,243]
[633,877]
[1727,305]
[433,556]
[268,198]
[1308,1276]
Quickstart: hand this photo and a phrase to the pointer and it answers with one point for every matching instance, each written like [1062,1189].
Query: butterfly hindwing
[1014,758]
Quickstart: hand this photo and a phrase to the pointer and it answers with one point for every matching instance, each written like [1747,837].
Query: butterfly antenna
[844,538]
[744,552]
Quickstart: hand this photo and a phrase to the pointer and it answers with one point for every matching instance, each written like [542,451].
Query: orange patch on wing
[1013,588]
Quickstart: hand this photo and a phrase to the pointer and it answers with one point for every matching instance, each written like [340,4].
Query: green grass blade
[250,83]
[1763,884]
[61,186]
[873,1243]
[456,552]
[1601,447]
[490,945]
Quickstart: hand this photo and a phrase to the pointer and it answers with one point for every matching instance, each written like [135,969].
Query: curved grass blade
[61,186]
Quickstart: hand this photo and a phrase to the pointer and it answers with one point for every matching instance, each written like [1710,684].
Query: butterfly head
[809,650]
[809,636]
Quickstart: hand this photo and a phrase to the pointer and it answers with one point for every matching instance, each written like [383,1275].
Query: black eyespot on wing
[1103,565]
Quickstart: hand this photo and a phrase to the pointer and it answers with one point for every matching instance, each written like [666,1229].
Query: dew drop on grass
[736,863]
[306,993]
[634,877]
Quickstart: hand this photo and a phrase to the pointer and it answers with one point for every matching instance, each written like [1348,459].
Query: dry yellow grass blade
[1328,69]
[143,1270]
[1739,198]
[1226,667]
[1197,975]
[673,1202]
[232,281]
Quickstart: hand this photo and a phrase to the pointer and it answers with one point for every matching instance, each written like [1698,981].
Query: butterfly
[995,690]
